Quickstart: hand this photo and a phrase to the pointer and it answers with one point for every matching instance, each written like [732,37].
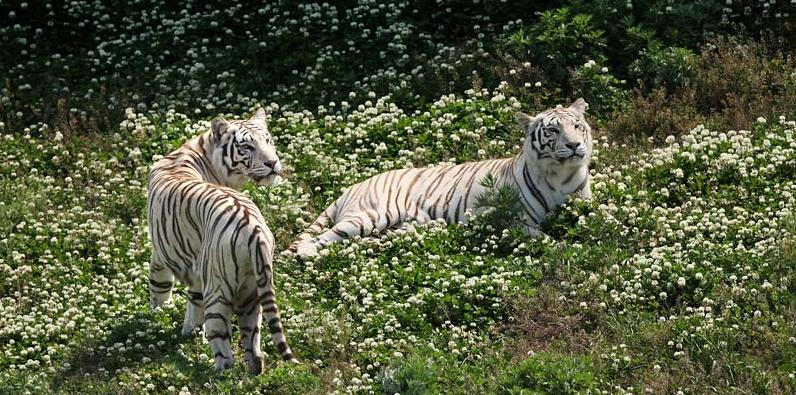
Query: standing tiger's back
[214,239]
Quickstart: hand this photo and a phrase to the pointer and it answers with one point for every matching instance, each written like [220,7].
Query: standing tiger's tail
[262,258]
[316,228]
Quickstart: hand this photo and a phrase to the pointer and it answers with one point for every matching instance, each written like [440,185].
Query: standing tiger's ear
[259,115]
[579,106]
[218,126]
[524,120]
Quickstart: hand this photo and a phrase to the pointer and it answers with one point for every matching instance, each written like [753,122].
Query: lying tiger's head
[247,150]
[558,137]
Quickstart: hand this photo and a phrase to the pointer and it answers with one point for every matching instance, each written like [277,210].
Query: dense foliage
[677,277]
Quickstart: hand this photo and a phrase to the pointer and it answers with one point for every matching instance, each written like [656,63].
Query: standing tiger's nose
[572,146]
[270,163]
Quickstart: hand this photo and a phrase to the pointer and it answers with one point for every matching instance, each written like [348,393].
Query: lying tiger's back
[403,195]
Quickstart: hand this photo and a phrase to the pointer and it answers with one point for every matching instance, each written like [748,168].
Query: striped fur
[214,239]
[552,165]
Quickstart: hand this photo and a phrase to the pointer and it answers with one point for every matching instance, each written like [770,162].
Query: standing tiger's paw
[222,363]
[307,249]
[256,364]
[158,299]
[189,328]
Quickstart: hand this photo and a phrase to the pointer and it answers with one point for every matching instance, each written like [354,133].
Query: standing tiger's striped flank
[552,165]
[214,239]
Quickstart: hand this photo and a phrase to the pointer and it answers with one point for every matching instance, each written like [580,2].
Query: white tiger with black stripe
[214,239]
[553,164]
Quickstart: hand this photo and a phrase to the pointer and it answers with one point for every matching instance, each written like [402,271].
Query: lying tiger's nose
[572,146]
[270,163]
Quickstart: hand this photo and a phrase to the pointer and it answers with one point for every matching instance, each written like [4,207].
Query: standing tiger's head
[246,150]
[559,137]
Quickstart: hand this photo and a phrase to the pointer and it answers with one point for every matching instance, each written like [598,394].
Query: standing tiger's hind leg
[218,329]
[194,310]
[250,319]
[346,228]
[161,282]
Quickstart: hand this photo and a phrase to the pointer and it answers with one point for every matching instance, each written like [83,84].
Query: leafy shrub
[545,373]
[668,67]
[558,42]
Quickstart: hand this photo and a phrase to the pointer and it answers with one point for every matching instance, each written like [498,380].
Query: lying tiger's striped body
[214,239]
[552,165]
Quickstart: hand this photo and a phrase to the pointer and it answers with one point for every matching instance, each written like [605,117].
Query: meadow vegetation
[677,277]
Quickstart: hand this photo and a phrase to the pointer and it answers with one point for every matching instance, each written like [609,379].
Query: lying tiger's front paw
[307,249]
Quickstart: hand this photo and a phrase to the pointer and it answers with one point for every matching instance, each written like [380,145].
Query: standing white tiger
[552,165]
[214,239]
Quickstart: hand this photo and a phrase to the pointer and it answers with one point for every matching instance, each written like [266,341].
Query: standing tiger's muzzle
[268,174]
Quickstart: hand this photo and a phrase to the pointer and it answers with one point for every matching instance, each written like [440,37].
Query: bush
[558,42]
[734,82]
[668,67]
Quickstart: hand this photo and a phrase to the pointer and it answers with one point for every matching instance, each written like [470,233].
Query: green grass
[678,274]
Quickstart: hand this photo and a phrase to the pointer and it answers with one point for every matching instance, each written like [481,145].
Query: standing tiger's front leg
[161,282]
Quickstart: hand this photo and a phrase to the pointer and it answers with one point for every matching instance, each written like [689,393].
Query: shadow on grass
[159,345]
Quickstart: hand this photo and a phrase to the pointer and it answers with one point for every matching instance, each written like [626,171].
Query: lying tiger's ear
[524,120]
[218,126]
[579,106]
[259,115]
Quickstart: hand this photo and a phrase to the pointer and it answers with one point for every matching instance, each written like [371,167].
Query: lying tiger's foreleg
[311,231]
[346,228]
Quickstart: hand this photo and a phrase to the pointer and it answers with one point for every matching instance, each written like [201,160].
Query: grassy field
[677,277]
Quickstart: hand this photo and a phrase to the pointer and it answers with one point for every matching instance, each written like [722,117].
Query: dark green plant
[502,213]
[669,67]
[415,375]
[547,373]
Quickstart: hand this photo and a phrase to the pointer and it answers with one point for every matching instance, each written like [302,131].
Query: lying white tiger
[214,239]
[552,165]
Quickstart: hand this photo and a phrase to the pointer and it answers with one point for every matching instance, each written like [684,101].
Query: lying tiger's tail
[316,228]
[261,247]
